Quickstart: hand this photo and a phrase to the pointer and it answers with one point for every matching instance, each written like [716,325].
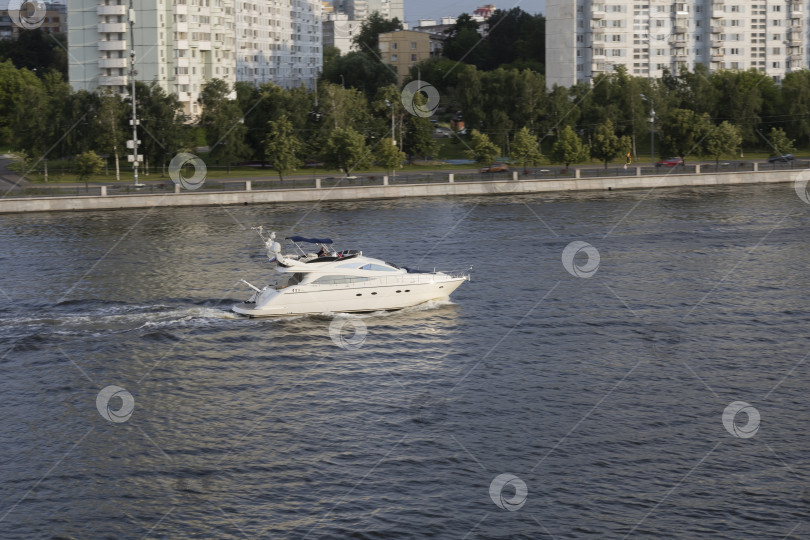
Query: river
[621,365]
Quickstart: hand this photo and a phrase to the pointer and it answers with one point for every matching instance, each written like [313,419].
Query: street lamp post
[652,127]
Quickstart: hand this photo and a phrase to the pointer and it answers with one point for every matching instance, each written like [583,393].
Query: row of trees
[501,102]
[43,118]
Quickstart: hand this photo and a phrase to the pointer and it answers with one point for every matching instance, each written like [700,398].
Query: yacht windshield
[377,268]
[294,279]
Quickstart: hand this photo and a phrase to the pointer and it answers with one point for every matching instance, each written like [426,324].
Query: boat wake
[98,320]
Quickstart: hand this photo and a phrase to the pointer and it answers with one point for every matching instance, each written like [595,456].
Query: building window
[393,58]
[413,45]
[413,58]
[394,45]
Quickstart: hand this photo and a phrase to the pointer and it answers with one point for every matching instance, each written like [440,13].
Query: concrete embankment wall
[192,198]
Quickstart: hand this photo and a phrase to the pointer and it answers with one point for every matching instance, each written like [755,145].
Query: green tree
[683,132]
[796,97]
[780,142]
[464,43]
[516,38]
[569,148]
[88,164]
[269,102]
[36,51]
[606,145]
[483,150]
[281,146]
[359,70]
[367,39]
[346,149]
[109,126]
[722,140]
[388,155]
[525,148]
[222,120]
[161,130]
[330,54]
[419,139]
[745,97]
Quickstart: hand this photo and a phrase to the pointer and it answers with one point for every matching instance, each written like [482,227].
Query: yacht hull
[348,299]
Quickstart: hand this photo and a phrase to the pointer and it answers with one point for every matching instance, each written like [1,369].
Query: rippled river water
[536,404]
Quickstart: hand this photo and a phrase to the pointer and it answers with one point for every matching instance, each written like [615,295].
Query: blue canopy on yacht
[310,240]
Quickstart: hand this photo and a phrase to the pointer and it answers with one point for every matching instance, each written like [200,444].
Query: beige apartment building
[406,48]
[588,37]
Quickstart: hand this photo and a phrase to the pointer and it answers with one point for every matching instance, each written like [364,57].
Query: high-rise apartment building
[182,44]
[279,41]
[588,37]
[359,10]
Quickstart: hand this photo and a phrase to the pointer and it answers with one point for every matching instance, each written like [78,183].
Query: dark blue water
[603,396]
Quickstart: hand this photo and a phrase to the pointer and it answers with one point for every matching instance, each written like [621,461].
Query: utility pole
[393,133]
[133,144]
[652,127]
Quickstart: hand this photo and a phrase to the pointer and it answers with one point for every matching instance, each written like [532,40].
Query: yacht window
[349,265]
[377,268]
[337,280]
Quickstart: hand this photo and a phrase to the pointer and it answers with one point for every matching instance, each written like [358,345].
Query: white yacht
[340,282]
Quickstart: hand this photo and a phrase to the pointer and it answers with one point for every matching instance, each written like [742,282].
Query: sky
[434,9]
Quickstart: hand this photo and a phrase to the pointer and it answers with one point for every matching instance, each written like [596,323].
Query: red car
[498,167]
[670,162]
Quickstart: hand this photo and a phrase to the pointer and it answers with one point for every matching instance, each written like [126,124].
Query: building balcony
[796,58]
[119,80]
[183,97]
[718,13]
[181,44]
[180,10]
[598,15]
[181,62]
[204,45]
[182,79]
[717,43]
[112,28]
[717,57]
[113,45]
[181,27]
[107,63]
[112,10]
[716,29]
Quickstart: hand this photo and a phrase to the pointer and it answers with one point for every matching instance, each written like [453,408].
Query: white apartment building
[279,41]
[180,44]
[347,17]
[588,37]
[338,31]
[359,10]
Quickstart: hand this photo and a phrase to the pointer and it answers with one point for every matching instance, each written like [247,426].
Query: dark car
[498,167]
[670,162]
[781,159]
